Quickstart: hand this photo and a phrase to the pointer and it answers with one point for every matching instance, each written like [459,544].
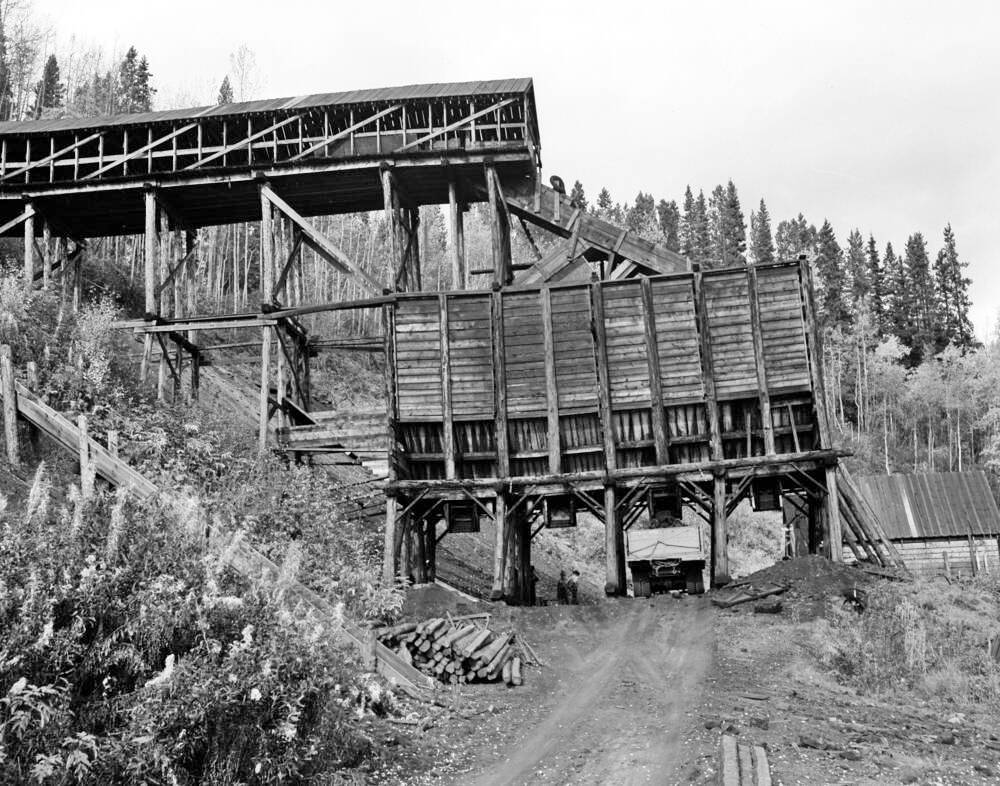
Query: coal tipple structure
[608,377]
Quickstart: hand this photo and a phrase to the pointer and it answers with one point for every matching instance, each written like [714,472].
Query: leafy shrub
[130,654]
[927,636]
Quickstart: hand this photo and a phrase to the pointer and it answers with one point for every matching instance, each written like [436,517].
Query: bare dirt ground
[640,691]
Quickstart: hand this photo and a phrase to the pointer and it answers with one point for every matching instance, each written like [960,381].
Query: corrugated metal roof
[377,94]
[933,504]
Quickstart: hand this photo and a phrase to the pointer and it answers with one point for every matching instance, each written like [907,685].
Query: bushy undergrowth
[130,654]
[756,540]
[929,637]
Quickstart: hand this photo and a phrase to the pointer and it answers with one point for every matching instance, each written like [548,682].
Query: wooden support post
[430,546]
[513,562]
[266,247]
[707,369]
[46,254]
[499,546]
[456,238]
[150,280]
[614,544]
[31,367]
[524,569]
[658,417]
[279,357]
[265,387]
[764,397]
[389,546]
[413,244]
[86,474]
[418,557]
[503,273]
[447,417]
[815,352]
[406,548]
[397,246]
[720,545]
[9,406]
[500,385]
[834,532]
[603,376]
[29,249]
[551,385]
[165,301]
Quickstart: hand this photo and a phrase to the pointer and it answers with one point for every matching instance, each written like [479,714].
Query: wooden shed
[939,521]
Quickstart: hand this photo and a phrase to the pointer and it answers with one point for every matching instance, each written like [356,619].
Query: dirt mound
[813,577]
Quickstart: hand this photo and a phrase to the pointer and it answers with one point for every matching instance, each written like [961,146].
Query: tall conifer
[761,243]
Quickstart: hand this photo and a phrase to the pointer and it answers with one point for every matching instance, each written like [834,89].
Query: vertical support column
[265,385]
[707,369]
[814,348]
[266,247]
[614,543]
[834,534]
[551,385]
[456,238]
[279,357]
[389,566]
[500,385]
[499,545]
[658,419]
[46,254]
[767,425]
[389,545]
[417,556]
[447,416]
[149,278]
[503,274]
[190,267]
[720,543]
[166,300]
[603,377]
[29,248]
[9,406]
[430,547]
[397,244]
[415,283]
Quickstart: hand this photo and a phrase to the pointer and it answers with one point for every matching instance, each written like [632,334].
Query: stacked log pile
[460,651]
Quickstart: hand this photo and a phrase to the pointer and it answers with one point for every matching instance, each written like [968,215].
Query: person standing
[572,587]
[561,591]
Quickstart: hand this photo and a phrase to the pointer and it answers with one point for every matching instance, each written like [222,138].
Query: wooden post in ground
[456,238]
[29,250]
[9,406]
[614,544]
[46,254]
[149,275]
[418,557]
[720,545]
[430,547]
[265,388]
[389,544]
[86,475]
[499,546]
[834,534]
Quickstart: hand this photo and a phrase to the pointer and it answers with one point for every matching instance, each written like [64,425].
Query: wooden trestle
[549,394]
[613,398]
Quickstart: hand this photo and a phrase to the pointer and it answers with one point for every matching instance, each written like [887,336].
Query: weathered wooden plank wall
[537,360]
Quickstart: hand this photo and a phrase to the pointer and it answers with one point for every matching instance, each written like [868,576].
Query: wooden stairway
[245,559]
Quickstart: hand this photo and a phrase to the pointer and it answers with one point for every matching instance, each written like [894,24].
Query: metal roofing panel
[401,93]
[933,504]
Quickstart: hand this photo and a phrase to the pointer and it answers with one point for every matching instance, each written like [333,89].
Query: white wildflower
[255,694]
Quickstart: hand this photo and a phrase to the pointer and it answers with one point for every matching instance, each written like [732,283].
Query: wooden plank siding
[545,358]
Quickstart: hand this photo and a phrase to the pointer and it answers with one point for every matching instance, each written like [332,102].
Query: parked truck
[666,558]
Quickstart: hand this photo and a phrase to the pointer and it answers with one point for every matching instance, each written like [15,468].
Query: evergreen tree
[794,238]
[702,248]
[641,217]
[952,285]
[50,91]
[735,227]
[898,308]
[226,92]
[832,279]
[669,216]
[857,269]
[6,90]
[577,197]
[688,225]
[761,244]
[141,95]
[921,299]
[604,203]
[121,102]
[876,280]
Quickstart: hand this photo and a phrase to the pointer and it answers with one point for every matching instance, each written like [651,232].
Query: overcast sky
[881,116]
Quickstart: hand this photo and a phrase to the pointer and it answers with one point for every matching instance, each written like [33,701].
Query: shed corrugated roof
[402,93]
[933,504]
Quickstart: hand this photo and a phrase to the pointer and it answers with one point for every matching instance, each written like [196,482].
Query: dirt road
[630,677]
